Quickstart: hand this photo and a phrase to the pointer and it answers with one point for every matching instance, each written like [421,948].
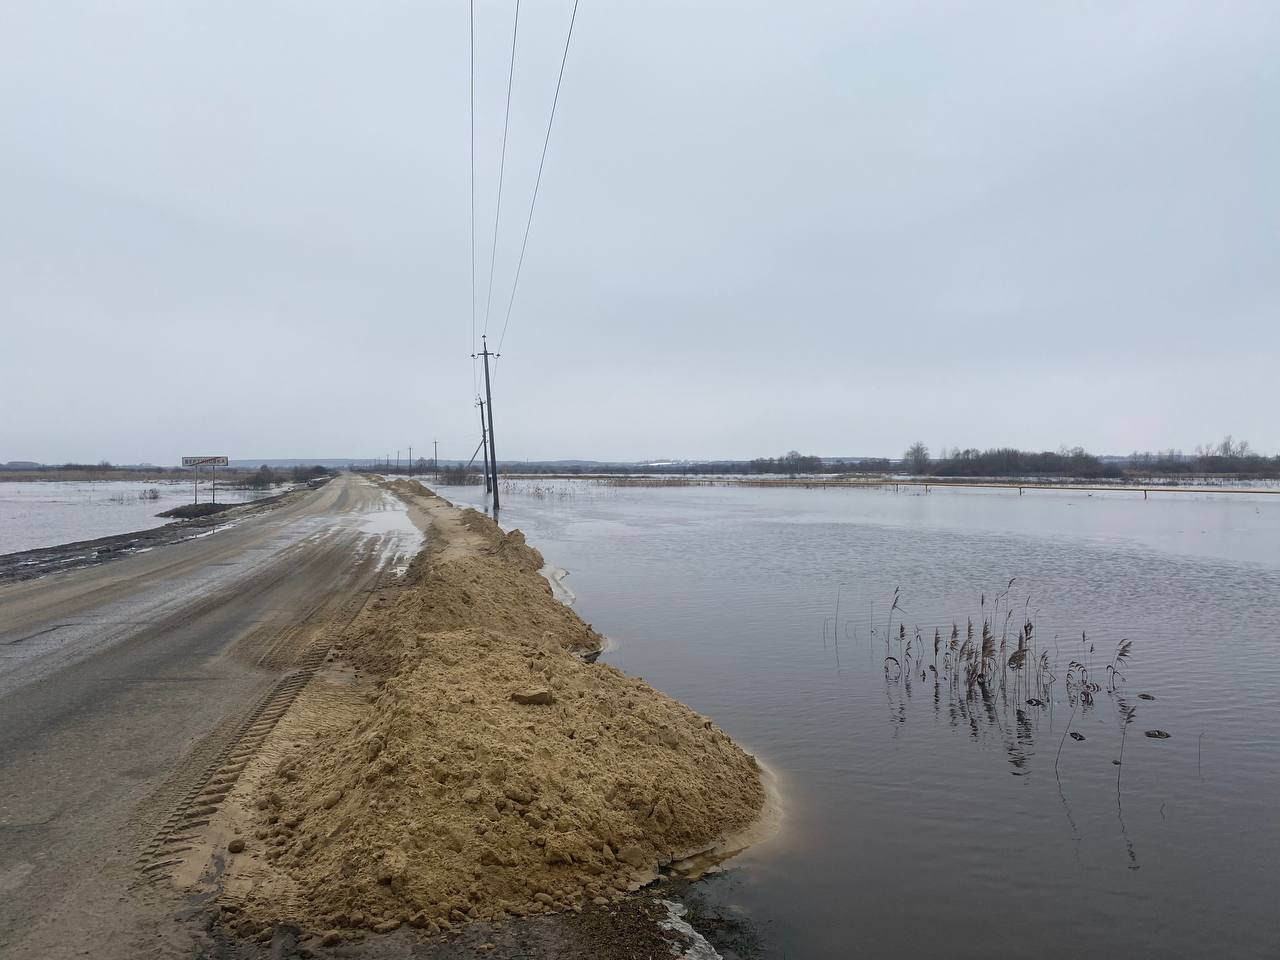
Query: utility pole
[484,442]
[435,459]
[411,460]
[493,449]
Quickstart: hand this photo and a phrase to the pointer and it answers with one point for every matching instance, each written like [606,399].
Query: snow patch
[698,948]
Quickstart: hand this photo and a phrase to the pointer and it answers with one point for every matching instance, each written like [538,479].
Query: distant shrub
[458,476]
[302,474]
[263,479]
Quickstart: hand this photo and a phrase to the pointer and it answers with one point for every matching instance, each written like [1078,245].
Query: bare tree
[1229,447]
[917,457]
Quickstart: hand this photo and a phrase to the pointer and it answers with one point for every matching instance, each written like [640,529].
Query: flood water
[924,819]
[45,513]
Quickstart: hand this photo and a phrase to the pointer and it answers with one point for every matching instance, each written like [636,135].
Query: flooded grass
[1002,679]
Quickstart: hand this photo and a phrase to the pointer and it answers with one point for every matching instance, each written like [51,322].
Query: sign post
[195,463]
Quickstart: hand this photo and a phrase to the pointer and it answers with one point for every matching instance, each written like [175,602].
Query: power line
[485,353]
[472,38]
[502,166]
[538,182]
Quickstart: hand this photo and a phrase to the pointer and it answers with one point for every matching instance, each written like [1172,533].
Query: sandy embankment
[491,771]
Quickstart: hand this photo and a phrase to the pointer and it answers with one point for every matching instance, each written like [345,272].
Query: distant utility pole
[493,449]
[484,442]
[411,460]
[435,459]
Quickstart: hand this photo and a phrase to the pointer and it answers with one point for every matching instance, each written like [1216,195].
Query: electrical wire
[502,165]
[538,182]
[474,380]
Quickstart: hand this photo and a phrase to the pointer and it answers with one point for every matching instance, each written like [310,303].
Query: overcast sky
[242,227]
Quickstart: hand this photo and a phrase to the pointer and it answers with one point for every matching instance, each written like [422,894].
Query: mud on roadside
[672,917]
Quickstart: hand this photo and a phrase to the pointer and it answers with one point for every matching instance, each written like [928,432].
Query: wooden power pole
[484,442]
[493,449]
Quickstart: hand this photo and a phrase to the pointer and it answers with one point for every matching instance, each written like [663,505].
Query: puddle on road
[398,539]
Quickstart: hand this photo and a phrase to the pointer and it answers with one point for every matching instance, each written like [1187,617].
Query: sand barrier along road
[131,692]
[481,772]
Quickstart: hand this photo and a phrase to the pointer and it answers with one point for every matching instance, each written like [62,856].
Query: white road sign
[204,461]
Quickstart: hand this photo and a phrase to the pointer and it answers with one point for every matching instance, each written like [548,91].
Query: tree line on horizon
[259,479]
[1227,458]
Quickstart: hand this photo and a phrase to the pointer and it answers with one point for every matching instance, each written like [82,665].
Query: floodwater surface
[925,815]
[45,513]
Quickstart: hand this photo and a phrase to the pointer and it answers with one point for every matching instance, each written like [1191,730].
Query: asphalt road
[120,683]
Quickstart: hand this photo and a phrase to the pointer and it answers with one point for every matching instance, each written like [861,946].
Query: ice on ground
[698,948]
[556,577]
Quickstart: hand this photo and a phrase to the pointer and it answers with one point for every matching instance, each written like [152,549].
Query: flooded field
[45,513]
[953,795]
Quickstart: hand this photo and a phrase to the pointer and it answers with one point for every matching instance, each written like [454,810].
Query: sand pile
[493,771]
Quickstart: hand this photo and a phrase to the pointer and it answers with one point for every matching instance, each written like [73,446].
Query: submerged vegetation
[976,663]
[996,675]
[995,672]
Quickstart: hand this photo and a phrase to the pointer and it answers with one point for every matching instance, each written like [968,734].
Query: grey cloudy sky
[242,227]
